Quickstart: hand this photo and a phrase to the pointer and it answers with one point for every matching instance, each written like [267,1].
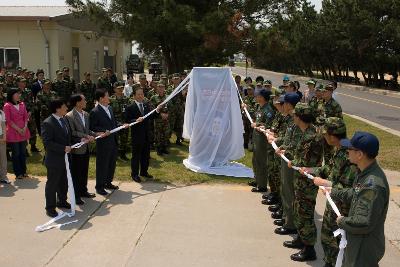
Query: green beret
[302,109]
[334,125]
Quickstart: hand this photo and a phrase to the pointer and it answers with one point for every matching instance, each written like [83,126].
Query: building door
[75,64]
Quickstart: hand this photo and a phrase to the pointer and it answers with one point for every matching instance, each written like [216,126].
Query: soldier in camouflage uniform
[177,113]
[251,105]
[164,80]
[339,173]
[103,82]
[264,117]
[10,81]
[119,102]
[287,144]
[28,99]
[144,86]
[308,153]
[87,88]
[43,98]
[329,108]
[161,123]
[60,86]
[70,84]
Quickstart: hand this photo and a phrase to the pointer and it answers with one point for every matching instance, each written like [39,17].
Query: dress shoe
[101,192]
[285,231]
[267,196]
[110,186]
[277,215]
[272,200]
[79,201]
[258,190]
[34,149]
[147,175]
[51,213]
[279,222]
[136,178]
[295,243]
[274,208]
[63,205]
[306,254]
[89,195]
[252,183]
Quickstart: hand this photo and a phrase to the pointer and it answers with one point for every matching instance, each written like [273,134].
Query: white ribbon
[343,240]
[50,224]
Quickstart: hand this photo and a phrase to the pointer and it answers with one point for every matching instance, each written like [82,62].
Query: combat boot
[306,254]
[295,243]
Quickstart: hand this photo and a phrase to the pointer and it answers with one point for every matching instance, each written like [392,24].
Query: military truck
[134,64]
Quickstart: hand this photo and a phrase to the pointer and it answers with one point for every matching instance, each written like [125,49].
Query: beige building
[50,37]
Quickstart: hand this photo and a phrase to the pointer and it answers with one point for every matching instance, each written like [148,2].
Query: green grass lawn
[171,170]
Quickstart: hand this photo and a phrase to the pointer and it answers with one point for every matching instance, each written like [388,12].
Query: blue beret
[266,94]
[292,98]
[363,141]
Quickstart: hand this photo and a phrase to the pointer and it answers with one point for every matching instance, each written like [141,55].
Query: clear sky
[317,3]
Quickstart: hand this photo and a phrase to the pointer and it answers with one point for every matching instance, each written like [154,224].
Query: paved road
[157,225]
[381,109]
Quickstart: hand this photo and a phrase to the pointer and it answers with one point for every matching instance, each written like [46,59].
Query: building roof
[32,12]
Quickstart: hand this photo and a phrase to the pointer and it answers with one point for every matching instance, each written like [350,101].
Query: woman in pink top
[17,131]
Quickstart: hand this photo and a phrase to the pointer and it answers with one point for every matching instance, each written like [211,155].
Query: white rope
[343,240]
[50,224]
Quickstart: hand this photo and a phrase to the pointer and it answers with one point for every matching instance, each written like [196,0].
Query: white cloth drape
[213,123]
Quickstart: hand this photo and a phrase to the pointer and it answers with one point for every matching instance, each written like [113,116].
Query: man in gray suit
[78,120]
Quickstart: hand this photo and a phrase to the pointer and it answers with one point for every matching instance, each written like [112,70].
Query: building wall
[26,36]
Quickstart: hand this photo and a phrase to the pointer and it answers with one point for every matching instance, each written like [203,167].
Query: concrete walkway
[152,225]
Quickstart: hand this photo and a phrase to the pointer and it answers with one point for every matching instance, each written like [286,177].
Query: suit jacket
[36,88]
[55,139]
[140,131]
[100,122]
[78,130]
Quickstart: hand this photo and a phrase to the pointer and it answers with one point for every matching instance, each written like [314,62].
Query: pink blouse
[19,118]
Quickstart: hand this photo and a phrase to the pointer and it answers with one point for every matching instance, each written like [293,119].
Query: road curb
[377,125]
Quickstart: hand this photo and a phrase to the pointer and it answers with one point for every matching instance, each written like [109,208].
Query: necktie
[141,108]
[64,125]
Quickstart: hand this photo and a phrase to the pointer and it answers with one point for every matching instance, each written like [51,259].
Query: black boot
[295,243]
[252,183]
[273,200]
[277,214]
[279,222]
[274,208]
[306,254]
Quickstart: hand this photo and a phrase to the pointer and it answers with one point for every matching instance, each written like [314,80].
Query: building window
[9,58]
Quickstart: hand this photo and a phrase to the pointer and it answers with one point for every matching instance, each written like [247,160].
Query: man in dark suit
[78,120]
[36,88]
[102,120]
[140,135]
[57,140]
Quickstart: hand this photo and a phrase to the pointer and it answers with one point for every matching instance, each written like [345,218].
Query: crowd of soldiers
[309,129]
[37,92]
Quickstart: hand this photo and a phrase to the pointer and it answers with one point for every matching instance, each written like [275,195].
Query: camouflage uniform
[264,117]
[251,108]
[70,87]
[279,128]
[3,99]
[43,102]
[27,98]
[88,89]
[104,83]
[61,88]
[308,153]
[329,108]
[177,115]
[119,105]
[341,173]
[161,127]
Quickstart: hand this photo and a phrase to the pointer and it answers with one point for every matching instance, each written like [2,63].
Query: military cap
[19,68]
[266,94]
[302,109]
[119,84]
[268,82]
[286,78]
[260,79]
[250,86]
[31,72]
[320,88]
[259,83]
[103,69]
[276,92]
[176,75]
[58,72]
[292,98]
[65,68]
[334,125]
[164,76]
[24,70]
[39,71]
[142,76]
[311,82]
[248,79]
[160,84]
[1,84]
[136,86]
[363,141]
[21,79]
[329,87]
[183,73]
[9,74]
[47,81]
[86,73]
